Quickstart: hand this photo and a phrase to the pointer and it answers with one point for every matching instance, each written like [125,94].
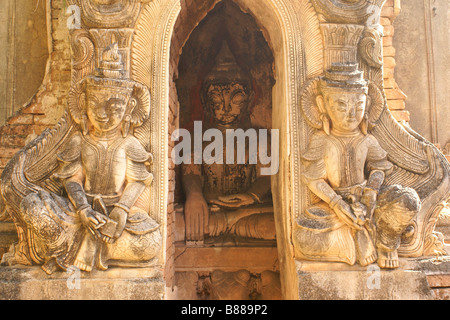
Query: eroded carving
[222,198]
[109,14]
[240,285]
[349,11]
[84,205]
[357,218]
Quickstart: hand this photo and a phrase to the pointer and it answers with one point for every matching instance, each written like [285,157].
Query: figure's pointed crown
[226,68]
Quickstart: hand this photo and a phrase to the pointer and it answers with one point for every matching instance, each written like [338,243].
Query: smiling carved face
[346,109]
[227,102]
[105,109]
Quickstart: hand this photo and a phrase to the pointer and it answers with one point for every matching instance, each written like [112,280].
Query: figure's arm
[377,165]
[370,193]
[75,191]
[137,179]
[91,219]
[119,214]
[342,209]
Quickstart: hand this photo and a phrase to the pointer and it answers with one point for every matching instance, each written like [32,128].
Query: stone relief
[375,188]
[358,218]
[227,199]
[349,11]
[241,285]
[79,193]
[100,218]
[109,13]
[353,56]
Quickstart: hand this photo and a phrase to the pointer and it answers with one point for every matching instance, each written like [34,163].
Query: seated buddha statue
[227,198]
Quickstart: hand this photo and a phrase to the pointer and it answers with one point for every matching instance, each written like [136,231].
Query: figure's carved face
[105,109]
[227,102]
[346,109]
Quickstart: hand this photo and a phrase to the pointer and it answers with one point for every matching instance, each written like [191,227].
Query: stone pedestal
[414,280]
[243,273]
[31,283]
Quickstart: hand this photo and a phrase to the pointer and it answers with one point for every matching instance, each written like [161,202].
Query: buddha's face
[227,102]
[105,109]
[345,108]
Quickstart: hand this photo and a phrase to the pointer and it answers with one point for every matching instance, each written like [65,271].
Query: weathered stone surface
[31,283]
[8,236]
[305,38]
[337,281]
[422,42]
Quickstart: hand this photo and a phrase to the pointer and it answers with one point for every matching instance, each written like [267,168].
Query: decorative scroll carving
[83,55]
[109,13]
[349,11]
[370,48]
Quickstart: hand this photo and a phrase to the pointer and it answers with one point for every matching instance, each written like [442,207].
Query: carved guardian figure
[91,209]
[356,218]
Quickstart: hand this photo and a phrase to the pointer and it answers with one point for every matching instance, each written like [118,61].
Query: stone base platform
[194,267]
[31,283]
[256,259]
[416,279]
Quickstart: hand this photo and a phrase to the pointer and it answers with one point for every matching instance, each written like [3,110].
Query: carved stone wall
[305,37]
[422,41]
[45,107]
[23,54]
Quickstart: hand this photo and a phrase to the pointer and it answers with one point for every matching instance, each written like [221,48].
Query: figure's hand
[196,214]
[360,212]
[369,199]
[344,212]
[119,216]
[234,201]
[92,220]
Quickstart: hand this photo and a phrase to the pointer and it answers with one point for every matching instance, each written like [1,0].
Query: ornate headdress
[226,69]
[344,77]
[110,76]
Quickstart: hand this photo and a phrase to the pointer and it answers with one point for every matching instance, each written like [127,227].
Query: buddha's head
[107,102]
[343,96]
[226,90]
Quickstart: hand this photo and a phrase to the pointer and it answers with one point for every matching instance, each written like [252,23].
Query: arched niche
[291,30]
